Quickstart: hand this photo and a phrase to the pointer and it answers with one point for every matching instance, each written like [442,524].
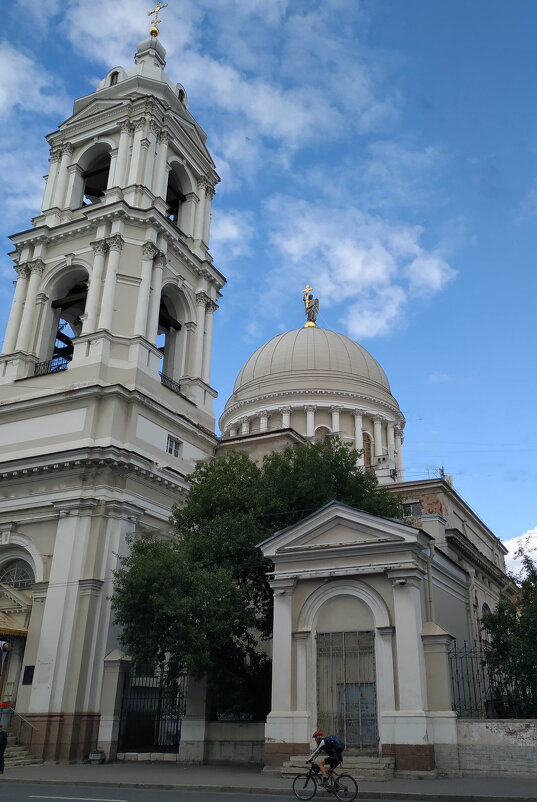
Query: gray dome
[320,354]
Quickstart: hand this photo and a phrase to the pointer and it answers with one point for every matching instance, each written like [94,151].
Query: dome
[311,351]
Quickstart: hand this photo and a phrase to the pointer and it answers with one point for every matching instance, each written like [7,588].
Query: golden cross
[306,294]
[155,11]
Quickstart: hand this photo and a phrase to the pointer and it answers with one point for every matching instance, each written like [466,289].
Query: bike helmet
[317,734]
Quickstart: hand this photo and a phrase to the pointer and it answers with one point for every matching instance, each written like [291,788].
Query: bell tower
[105,395]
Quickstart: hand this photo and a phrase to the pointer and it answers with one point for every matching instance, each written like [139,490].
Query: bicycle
[343,786]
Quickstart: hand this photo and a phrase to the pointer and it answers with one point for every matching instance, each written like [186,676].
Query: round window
[17,574]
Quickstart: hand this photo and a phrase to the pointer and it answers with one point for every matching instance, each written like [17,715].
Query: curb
[283,792]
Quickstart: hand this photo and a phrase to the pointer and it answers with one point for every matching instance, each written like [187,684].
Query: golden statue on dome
[154,22]
[311,305]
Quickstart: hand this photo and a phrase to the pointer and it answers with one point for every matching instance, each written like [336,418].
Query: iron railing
[479,692]
[51,366]
[170,383]
[23,737]
[152,709]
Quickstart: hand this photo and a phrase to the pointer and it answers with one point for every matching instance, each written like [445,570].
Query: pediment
[191,131]
[9,626]
[94,108]
[339,527]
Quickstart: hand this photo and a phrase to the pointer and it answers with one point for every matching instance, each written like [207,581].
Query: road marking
[79,798]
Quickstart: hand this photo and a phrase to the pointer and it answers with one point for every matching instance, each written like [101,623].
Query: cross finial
[154,23]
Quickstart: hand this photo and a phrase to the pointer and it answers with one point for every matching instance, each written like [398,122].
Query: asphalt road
[37,792]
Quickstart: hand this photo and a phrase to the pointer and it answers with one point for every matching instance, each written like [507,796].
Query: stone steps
[358,766]
[16,756]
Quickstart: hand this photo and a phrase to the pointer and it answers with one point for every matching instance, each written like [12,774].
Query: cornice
[239,406]
[93,458]
[458,541]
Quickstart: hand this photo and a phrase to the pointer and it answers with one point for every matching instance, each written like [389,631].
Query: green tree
[512,651]
[201,599]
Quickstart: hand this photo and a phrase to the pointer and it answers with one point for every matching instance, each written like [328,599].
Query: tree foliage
[201,599]
[512,649]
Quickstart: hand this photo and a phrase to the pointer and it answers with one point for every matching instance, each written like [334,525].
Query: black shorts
[332,760]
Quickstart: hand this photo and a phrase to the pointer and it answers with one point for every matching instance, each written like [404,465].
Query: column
[188,213]
[100,250]
[281,645]
[17,306]
[209,195]
[150,158]
[377,434]
[245,425]
[74,197]
[200,209]
[149,251]
[263,421]
[55,156]
[28,313]
[58,198]
[411,676]
[160,175]
[187,355]
[115,244]
[358,435]
[398,435]
[207,341]
[335,418]
[134,171]
[201,300]
[301,640]
[286,417]
[154,298]
[391,442]
[123,153]
[310,420]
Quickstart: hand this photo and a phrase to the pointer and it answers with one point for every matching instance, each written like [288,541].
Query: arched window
[95,179]
[69,325]
[321,432]
[169,340]
[367,450]
[17,574]
[114,78]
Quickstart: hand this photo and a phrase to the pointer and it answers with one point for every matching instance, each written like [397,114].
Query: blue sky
[383,150]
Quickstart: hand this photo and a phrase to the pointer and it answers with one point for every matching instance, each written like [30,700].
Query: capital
[115,242]
[359,413]
[284,410]
[126,127]
[160,261]
[100,246]
[149,250]
[37,266]
[67,149]
[163,135]
[55,154]
[23,271]
[335,409]
[202,299]
[138,124]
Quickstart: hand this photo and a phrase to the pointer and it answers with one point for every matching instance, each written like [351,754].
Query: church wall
[451,613]
[344,615]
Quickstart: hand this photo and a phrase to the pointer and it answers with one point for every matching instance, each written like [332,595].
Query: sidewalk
[171,776]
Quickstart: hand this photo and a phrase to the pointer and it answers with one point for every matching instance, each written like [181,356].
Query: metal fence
[478,692]
[151,713]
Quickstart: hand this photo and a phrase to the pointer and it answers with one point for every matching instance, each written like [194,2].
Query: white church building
[106,405]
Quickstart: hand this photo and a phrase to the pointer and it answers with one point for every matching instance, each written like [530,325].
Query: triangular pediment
[10,626]
[191,131]
[14,601]
[94,108]
[339,527]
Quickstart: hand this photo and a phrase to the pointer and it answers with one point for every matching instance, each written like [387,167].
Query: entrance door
[346,688]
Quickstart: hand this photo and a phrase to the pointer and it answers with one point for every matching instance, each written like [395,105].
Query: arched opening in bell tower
[171,338]
[92,175]
[174,199]
[63,321]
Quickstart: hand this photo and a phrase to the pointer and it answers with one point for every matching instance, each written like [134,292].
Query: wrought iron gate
[346,687]
[151,712]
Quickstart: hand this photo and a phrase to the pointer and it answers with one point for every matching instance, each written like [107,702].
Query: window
[95,179]
[17,574]
[113,78]
[173,446]
[367,450]
[412,509]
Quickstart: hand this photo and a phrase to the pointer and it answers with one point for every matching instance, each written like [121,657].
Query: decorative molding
[37,266]
[100,246]
[202,299]
[149,250]
[55,155]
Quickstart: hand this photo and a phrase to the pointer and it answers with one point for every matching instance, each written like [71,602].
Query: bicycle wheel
[345,787]
[304,786]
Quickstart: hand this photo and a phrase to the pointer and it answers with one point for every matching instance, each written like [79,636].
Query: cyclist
[329,746]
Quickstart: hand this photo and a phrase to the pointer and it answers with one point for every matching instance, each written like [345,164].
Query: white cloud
[27,86]
[528,541]
[370,264]
[231,235]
